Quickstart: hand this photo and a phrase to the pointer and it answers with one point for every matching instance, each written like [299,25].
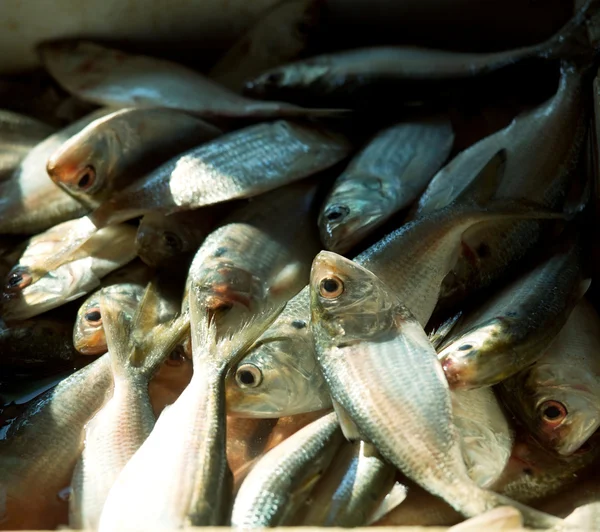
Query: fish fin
[349,429]
[285,277]
[531,517]
[500,518]
[583,288]
[117,328]
[484,185]
[394,498]
[439,334]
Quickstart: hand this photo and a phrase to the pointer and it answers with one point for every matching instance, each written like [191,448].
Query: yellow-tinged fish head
[159,240]
[278,376]
[22,298]
[561,408]
[88,333]
[83,165]
[352,211]
[479,357]
[347,301]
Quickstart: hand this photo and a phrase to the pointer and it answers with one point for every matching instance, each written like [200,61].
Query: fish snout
[456,372]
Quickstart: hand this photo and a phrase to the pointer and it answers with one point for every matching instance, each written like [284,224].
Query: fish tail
[531,518]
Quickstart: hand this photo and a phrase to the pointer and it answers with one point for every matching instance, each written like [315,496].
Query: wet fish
[280,34]
[241,164]
[107,76]
[411,73]
[559,396]
[113,435]
[362,332]
[18,135]
[351,489]
[41,448]
[283,478]
[384,178]
[543,146]
[27,293]
[259,257]
[29,201]
[171,379]
[192,484]
[162,241]
[512,329]
[116,149]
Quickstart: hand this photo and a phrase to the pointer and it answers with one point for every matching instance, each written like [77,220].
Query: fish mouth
[456,373]
[91,344]
[224,299]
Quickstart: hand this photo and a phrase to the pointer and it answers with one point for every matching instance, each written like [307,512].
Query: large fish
[116,149]
[559,396]
[389,173]
[363,334]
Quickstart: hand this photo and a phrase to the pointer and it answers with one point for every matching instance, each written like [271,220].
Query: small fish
[351,489]
[27,292]
[29,201]
[512,329]
[413,74]
[164,240]
[259,257]
[230,167]
[110,77]
[280,34]
[116,149]
[115,433]
[283,478]
[42,446]
[191,485]
[18,135]
[384,178]
[558,398]
[362,332]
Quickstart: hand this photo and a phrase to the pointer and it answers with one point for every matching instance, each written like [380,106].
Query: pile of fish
[303,290]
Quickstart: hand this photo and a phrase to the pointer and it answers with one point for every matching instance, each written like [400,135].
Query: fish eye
[465,347]
[248,376]
[172,241]
[331,287]
[274,78]
[176,358]
[336,212]
[18,281]
[553,411]
[93,316]
[86,178]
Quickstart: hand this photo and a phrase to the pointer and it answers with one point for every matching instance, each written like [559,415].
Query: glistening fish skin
[280,481]
[511,330]
[41,448]
[385,177]
[558,398]
[241,164]
[114,150]
[362,334]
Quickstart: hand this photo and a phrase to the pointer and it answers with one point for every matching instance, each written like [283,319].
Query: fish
[249,262]
[18,135]
[110,77]
[558,398]
[280,481]
[192,484]
[30,202]
[395,497]
[136,351]
[244,163]
[41,448]
[172,378]
[363,332]
[126,287]
[27,293]
[352,488]
[501,518]
[513,328]
[279,375]
[34,347]
[386,176]
[116,149]
[585,517]
[165,240]
[542,146]
[279,35]
[411,74]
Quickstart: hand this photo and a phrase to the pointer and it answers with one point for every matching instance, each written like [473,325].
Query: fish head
[158,240]
[23,299]
[84,164]
[560,407]
[279,375]
[347,301]
[286,77]
[352,211]
[481,356]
